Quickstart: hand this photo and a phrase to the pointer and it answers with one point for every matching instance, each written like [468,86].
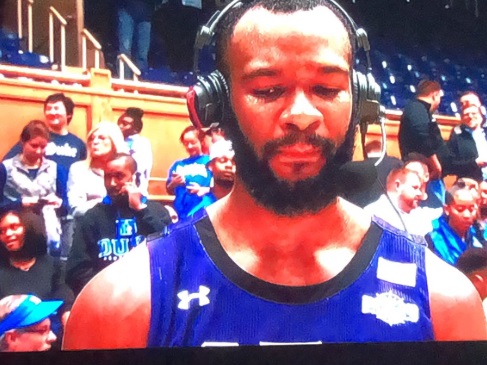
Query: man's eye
[325,91]
[269,93]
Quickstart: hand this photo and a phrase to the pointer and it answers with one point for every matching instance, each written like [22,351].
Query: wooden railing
[54,14]
[86,35]
[20,23]
[123,61]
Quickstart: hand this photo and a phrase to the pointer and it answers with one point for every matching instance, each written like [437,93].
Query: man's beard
[283,197]
[224,183]
[118,199]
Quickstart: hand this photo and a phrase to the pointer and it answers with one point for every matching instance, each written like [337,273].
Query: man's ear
[397,184]
[209,166]
[11,339]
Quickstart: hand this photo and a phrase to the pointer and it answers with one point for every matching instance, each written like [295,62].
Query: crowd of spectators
[70,208]
[452,218]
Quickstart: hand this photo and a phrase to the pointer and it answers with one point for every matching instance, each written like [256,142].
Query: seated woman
[30,180]
[85,181]
[25,268]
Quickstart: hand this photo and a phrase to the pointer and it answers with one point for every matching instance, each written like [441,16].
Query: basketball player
[281,259]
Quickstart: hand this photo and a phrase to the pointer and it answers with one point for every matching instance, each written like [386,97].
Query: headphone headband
[208,99]
[207,32]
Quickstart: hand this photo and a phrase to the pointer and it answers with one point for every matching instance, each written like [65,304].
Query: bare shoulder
[456,308]
[113,310]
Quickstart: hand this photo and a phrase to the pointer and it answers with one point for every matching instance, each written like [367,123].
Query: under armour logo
[186,297]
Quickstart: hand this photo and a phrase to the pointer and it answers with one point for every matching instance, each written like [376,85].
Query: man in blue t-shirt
[64,148]
[189,179]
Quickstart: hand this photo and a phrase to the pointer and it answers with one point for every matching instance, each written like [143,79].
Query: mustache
[325,145]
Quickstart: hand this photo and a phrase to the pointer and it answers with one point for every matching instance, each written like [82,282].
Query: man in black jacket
[113,227]
[419,132]
[468,145]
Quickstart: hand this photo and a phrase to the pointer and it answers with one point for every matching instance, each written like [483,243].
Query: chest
[21,183]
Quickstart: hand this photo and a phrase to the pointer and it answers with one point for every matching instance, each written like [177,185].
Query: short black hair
[227,26]
[450,193]
[68,103]
[129,160]
[473,259]
[418,157]
[136,114]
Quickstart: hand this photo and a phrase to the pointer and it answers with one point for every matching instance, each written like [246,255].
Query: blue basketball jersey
[200,297]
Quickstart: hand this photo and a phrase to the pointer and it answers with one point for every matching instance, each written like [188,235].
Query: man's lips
[299,153]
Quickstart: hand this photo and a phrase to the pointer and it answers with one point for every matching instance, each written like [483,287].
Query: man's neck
[221,190]
[302,250]
[476,129]
[62,132]
[460,232]
[403,207]
[427,100]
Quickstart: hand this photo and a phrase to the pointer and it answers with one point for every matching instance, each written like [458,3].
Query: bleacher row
[11,52]
[397,72]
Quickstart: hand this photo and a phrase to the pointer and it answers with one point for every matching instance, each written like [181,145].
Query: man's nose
[51,337]
[467,213]
[302,114]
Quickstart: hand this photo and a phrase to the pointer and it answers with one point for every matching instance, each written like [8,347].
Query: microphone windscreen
[356,176]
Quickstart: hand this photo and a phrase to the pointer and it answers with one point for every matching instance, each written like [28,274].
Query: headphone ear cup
[367,98]
[223,95]
[207,100]
[359,93]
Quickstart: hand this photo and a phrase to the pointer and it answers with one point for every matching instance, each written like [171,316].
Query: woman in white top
[131,124]
[85,185]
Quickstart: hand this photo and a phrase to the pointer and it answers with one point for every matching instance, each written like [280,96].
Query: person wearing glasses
[25,324]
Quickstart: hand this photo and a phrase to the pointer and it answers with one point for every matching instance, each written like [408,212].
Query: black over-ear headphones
[209,98]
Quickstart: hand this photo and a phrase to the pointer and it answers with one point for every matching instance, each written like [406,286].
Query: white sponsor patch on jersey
[397,272]
[186,297]
[264,343]
[219,344]
[390,308]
